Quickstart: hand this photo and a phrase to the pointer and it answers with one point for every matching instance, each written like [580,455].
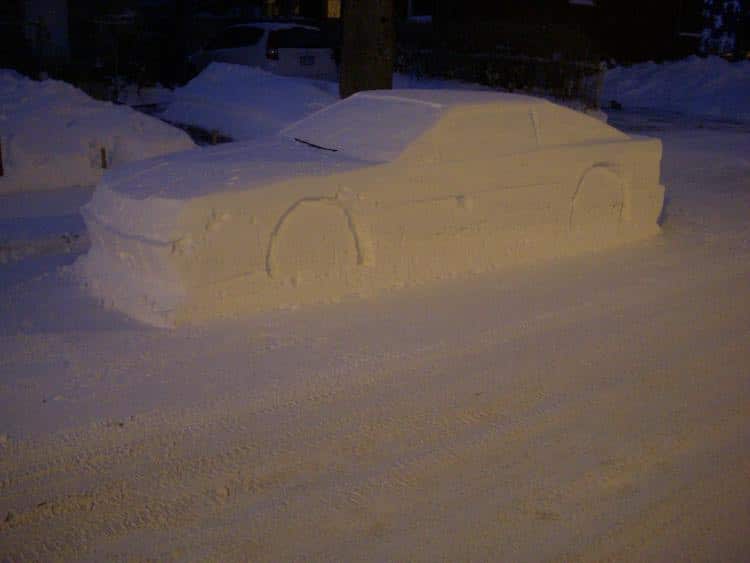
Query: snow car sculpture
[382,189]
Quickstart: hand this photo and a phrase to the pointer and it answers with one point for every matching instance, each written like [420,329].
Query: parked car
[289,49]
[382,189]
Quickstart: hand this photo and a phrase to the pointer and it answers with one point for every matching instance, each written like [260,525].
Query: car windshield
[296,38]
[366,127]
[235,37]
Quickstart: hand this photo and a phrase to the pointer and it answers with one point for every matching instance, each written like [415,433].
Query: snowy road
[594,408]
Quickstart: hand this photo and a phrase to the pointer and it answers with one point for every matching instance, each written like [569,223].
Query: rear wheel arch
[599,197]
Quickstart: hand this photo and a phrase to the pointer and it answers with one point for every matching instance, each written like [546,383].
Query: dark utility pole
[368,46]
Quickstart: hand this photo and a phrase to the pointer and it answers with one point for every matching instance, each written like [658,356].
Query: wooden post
[368,46]
[1,157]
[103,153]
[214,136]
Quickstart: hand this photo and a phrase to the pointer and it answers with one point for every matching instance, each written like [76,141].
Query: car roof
[451,98]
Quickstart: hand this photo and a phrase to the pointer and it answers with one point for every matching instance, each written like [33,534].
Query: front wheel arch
[326,207]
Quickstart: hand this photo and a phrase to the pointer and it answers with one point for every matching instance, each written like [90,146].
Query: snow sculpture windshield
[366,126]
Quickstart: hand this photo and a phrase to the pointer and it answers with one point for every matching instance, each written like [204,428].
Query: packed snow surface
[710,87]
[589,408]
[586,409]
[52,135]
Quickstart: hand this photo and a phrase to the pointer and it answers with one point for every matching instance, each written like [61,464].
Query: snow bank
[710,87]
[245,102]
[157,95]
[52,135]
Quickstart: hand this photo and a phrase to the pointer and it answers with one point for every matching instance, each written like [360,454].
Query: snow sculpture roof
[378,125]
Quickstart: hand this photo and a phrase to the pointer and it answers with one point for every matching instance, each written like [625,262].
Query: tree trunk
[367,47]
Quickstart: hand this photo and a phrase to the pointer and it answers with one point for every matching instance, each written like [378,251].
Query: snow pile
[53,134]
[157,95]
[710,87]
[245,102]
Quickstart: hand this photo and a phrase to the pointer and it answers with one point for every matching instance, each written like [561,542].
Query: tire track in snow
[358,451]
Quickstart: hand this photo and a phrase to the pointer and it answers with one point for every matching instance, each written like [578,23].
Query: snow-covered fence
[563,79]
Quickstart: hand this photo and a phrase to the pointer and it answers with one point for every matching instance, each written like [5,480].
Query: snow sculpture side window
[486,132]
[558,125]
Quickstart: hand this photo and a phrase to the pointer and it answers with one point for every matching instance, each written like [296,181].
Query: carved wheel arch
[607,176]
[335,205]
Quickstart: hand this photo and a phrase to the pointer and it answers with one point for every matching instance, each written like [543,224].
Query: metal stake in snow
[103,153]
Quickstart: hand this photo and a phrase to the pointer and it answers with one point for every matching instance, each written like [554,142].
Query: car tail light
[272,53]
